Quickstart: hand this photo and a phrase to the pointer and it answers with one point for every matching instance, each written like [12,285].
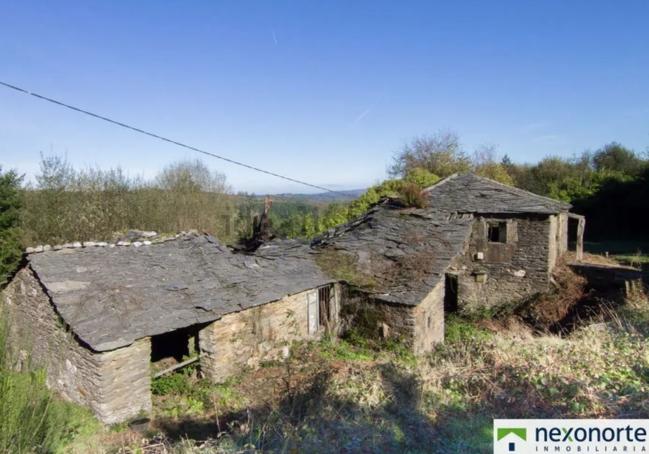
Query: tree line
[610,186]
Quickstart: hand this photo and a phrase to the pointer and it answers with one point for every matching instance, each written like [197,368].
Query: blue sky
[321,91]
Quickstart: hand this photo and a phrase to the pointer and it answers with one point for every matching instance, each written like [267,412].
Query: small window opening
[497,232]
[325,296]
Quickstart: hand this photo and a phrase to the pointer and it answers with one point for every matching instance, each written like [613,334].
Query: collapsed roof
[395,254]
[112,296]
[470,193]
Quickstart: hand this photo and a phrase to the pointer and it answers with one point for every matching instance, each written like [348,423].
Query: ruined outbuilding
[99,317]
[102,319]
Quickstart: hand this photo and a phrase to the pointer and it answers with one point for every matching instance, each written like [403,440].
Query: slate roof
[470,193]
[396,254]
[112,296]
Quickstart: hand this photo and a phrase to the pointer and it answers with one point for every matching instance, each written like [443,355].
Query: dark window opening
[175,345]
[325,295]
[450,293]
[497,232]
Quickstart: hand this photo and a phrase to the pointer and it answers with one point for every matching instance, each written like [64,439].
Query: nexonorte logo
[571,436]
[503,432]
[592,434]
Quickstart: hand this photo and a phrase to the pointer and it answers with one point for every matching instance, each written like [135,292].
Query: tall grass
[32,419]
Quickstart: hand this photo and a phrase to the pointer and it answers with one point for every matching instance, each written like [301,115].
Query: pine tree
[10,233]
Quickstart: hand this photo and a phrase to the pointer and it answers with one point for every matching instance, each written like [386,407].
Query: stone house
[99,318]
[102,319]
[477,245]
[516,239]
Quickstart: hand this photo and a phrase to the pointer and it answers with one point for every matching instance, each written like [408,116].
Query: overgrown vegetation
[32,419]
[375,397]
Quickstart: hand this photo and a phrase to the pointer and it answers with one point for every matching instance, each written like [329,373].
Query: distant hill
[321,197]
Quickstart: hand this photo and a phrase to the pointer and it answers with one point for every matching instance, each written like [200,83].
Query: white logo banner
[597,436]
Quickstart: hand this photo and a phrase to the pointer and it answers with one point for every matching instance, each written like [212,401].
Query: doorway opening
[326,307]
[450,292]
[174,350]
[576,226]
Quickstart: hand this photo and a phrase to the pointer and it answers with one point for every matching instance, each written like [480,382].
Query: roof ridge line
[142,241]
[441,182]
[520,190]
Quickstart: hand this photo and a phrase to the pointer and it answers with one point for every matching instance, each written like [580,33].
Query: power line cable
[165,139]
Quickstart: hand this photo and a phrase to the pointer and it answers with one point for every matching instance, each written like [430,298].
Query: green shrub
[174,383]
[421,177]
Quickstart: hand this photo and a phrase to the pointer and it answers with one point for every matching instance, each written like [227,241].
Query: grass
[32,418]
[353,395]
[638,259]
[633,253]
[356,397]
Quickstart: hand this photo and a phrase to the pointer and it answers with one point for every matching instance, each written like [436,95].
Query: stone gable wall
[509,272]
[246,338]
[115,384]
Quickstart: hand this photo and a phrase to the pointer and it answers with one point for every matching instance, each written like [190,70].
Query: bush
[68,204]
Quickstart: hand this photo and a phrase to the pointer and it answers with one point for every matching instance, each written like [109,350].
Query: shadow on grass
[310,419]
[310,416]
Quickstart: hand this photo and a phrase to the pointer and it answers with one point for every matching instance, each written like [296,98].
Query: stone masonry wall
[125,382]
[246,338]
[418,327]
[429,321]
[377,319]
[115,385]
[508,272]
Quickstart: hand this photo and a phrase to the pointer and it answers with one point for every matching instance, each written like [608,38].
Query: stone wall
[418,327]
[115,384]
[558,237]
[492,274]
[246,338]
[429,321]
[376,319]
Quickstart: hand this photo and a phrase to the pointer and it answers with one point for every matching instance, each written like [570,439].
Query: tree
[615,157]
[440,154]
[191,176]
[485,164]
[10,233]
